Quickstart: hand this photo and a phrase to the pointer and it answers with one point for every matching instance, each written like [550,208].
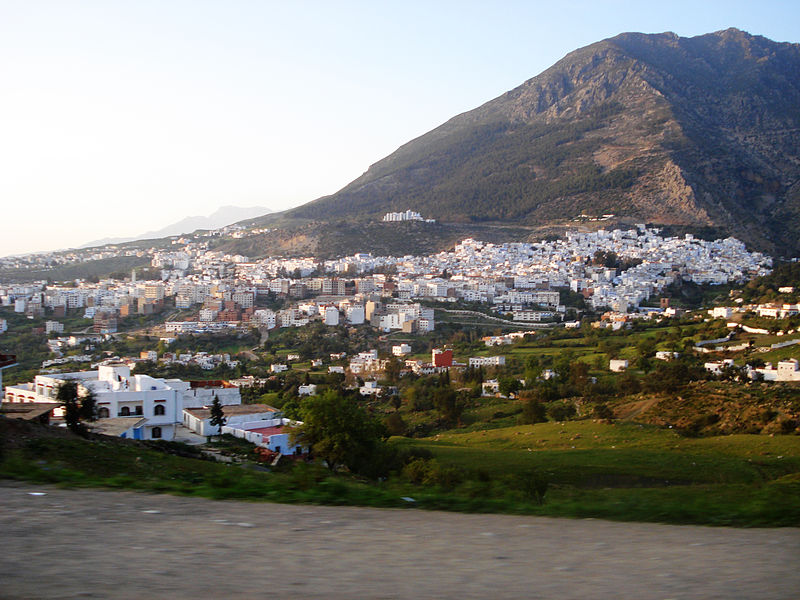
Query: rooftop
[233,410]
[268,431]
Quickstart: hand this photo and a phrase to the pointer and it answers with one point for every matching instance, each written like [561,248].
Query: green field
[629,471]
[574,469]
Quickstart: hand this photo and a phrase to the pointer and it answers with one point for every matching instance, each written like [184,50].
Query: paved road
[101,544]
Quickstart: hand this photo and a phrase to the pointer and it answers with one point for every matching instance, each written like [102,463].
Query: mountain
[700,133]
[225,215]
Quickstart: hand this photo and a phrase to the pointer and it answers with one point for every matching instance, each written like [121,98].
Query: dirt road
[100,544]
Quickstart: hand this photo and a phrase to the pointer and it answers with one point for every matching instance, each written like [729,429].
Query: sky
[120,117]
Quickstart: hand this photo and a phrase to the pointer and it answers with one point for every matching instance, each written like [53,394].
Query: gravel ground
[80,543]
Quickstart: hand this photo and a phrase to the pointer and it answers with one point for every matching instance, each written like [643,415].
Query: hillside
[698,132]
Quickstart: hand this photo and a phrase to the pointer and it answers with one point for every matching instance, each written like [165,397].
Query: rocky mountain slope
[699,132]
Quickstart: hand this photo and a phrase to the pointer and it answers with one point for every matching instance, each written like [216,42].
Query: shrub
[561,410]
[533,412]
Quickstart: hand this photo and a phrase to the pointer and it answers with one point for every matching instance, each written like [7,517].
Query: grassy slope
[632,472]
[623,472]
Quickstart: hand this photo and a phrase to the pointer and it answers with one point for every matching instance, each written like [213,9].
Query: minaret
[133,275]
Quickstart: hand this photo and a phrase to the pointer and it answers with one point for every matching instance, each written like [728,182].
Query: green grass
[620,472]
[634,472]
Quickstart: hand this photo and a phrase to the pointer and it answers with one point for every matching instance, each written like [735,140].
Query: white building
[53,327]
[370,388]
[787,370]
[307,390]
[716,367]
[487,361]
[207,314]
[401,349]
[408,215]
[154,405]
[199,419]
[721,312]
[265,317]
[331,315]
[272,434]
[490,387]
[355,314]
[617,365]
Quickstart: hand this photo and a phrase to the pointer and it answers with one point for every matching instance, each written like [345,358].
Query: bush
[395,424]
[430,472]
[533,412]
[533,484]
[561,410]
[602,411]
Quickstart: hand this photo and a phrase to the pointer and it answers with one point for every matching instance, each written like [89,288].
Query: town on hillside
[265,362]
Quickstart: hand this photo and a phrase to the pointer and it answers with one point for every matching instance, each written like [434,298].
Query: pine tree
[77,407]
[217,414]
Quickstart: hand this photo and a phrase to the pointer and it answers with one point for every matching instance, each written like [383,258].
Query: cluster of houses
[149,408]
[515,279]
[785,370]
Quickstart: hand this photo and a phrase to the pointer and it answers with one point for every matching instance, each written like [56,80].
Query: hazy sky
[118,117]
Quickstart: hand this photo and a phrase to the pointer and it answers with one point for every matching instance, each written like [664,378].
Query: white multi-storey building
[487,361]
[154,406]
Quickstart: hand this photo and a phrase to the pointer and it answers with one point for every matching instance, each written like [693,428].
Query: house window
[159,410]
[155,433]
[103,413]
[125,411]
[138,411]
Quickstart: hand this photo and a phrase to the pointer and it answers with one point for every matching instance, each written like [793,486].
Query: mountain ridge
[693,132]
[224,215]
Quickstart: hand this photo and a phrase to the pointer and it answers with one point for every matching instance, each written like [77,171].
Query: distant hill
[225,215]
[699,132]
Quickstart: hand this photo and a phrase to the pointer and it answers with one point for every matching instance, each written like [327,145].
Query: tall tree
[217,414]
[78,407]
[340,432]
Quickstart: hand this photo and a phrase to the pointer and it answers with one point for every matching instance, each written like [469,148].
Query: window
[155,433]
[125,411]
[102,413]
[138,411]
[159,410]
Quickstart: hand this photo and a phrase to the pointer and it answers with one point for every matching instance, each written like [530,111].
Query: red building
[442,358]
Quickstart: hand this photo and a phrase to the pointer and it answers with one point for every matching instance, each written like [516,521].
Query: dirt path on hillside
[102,544]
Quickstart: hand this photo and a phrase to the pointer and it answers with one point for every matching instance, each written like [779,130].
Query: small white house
[722,312]
[401,349]
[199,419]
[490,387]
[307,390]
[617,365]
[370,388]
[716,367]
[278,368]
